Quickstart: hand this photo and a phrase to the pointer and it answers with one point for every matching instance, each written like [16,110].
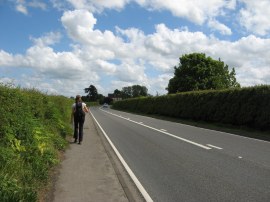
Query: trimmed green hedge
[242,106]
[33,127]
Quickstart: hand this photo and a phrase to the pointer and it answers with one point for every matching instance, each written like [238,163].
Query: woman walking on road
[79,109]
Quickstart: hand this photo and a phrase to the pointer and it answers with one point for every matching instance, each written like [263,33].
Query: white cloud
[80,27]
[194,10]
[254,16]
[78,23]
[105,66]
[223,29]
[161,50]
[21,8]
[130,72]
[22,5]
[6,59]
[127,55]
[91,5]
[56,64]
[37,4]
[48,39]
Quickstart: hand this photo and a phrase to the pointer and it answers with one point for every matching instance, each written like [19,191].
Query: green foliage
[92,93]
[32,130]
[198,72]
[243,107]
[132,91]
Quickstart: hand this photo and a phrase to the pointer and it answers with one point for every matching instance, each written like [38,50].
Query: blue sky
[63,46]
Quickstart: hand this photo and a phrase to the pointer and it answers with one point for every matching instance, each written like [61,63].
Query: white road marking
[130,172]
[240,157]
[210,145]
[238,136]
[163,129]
[166,133]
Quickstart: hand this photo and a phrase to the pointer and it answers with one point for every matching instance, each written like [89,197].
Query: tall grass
[33,127]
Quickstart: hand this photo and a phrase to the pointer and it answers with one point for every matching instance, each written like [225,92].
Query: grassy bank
[33,127]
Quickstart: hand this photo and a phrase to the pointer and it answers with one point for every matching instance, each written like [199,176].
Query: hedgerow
[33,127]
[240,106]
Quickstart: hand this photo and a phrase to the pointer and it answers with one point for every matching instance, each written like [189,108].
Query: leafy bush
[33,127]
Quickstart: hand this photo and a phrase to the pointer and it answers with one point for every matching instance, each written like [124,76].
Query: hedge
[33,127]
[248,106]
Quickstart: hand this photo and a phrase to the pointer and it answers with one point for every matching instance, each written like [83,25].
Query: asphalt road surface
[176,162]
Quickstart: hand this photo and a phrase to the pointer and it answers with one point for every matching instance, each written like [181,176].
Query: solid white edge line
[130,172]
[166,133]
[210,145]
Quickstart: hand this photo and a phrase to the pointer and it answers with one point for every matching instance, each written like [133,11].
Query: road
[176,162]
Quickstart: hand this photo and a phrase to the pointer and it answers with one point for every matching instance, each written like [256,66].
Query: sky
[62,47]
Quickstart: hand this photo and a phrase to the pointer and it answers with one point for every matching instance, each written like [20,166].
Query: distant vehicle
[105,105]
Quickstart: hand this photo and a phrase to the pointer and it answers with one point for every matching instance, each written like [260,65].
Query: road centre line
[210,145]
[128,169]
[164,132]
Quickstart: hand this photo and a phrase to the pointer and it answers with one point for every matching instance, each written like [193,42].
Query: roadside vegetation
[33,127]
[204,90]
[242,107]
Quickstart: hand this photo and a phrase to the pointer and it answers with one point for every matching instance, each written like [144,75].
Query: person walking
[79,109]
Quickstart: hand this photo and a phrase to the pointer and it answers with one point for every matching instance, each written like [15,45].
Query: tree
[138,91]
[92,93]
[134,91]
[117,93]
[127,92]
[198,72]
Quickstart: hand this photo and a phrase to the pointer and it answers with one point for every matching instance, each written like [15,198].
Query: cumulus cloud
[126,55]
[91,5]
[254,16]
[223,29]
[193,10]
[22,5]
[21,8]
[48,39]
[80,27]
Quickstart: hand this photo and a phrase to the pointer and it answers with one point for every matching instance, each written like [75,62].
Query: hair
[78,98]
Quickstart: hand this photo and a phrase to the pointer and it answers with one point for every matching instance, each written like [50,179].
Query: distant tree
[126,92]
[92,93]
[138,91]
[133,91]
[117,93]
[198,72]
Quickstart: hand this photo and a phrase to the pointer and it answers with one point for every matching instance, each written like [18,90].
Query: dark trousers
[78,128]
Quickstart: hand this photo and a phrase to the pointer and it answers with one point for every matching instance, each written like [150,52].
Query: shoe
[75,141]
[79,143]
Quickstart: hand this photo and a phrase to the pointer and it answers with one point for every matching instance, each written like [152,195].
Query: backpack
[79,113]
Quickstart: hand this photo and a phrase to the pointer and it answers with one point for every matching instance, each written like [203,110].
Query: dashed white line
[210,145]
[164,132]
